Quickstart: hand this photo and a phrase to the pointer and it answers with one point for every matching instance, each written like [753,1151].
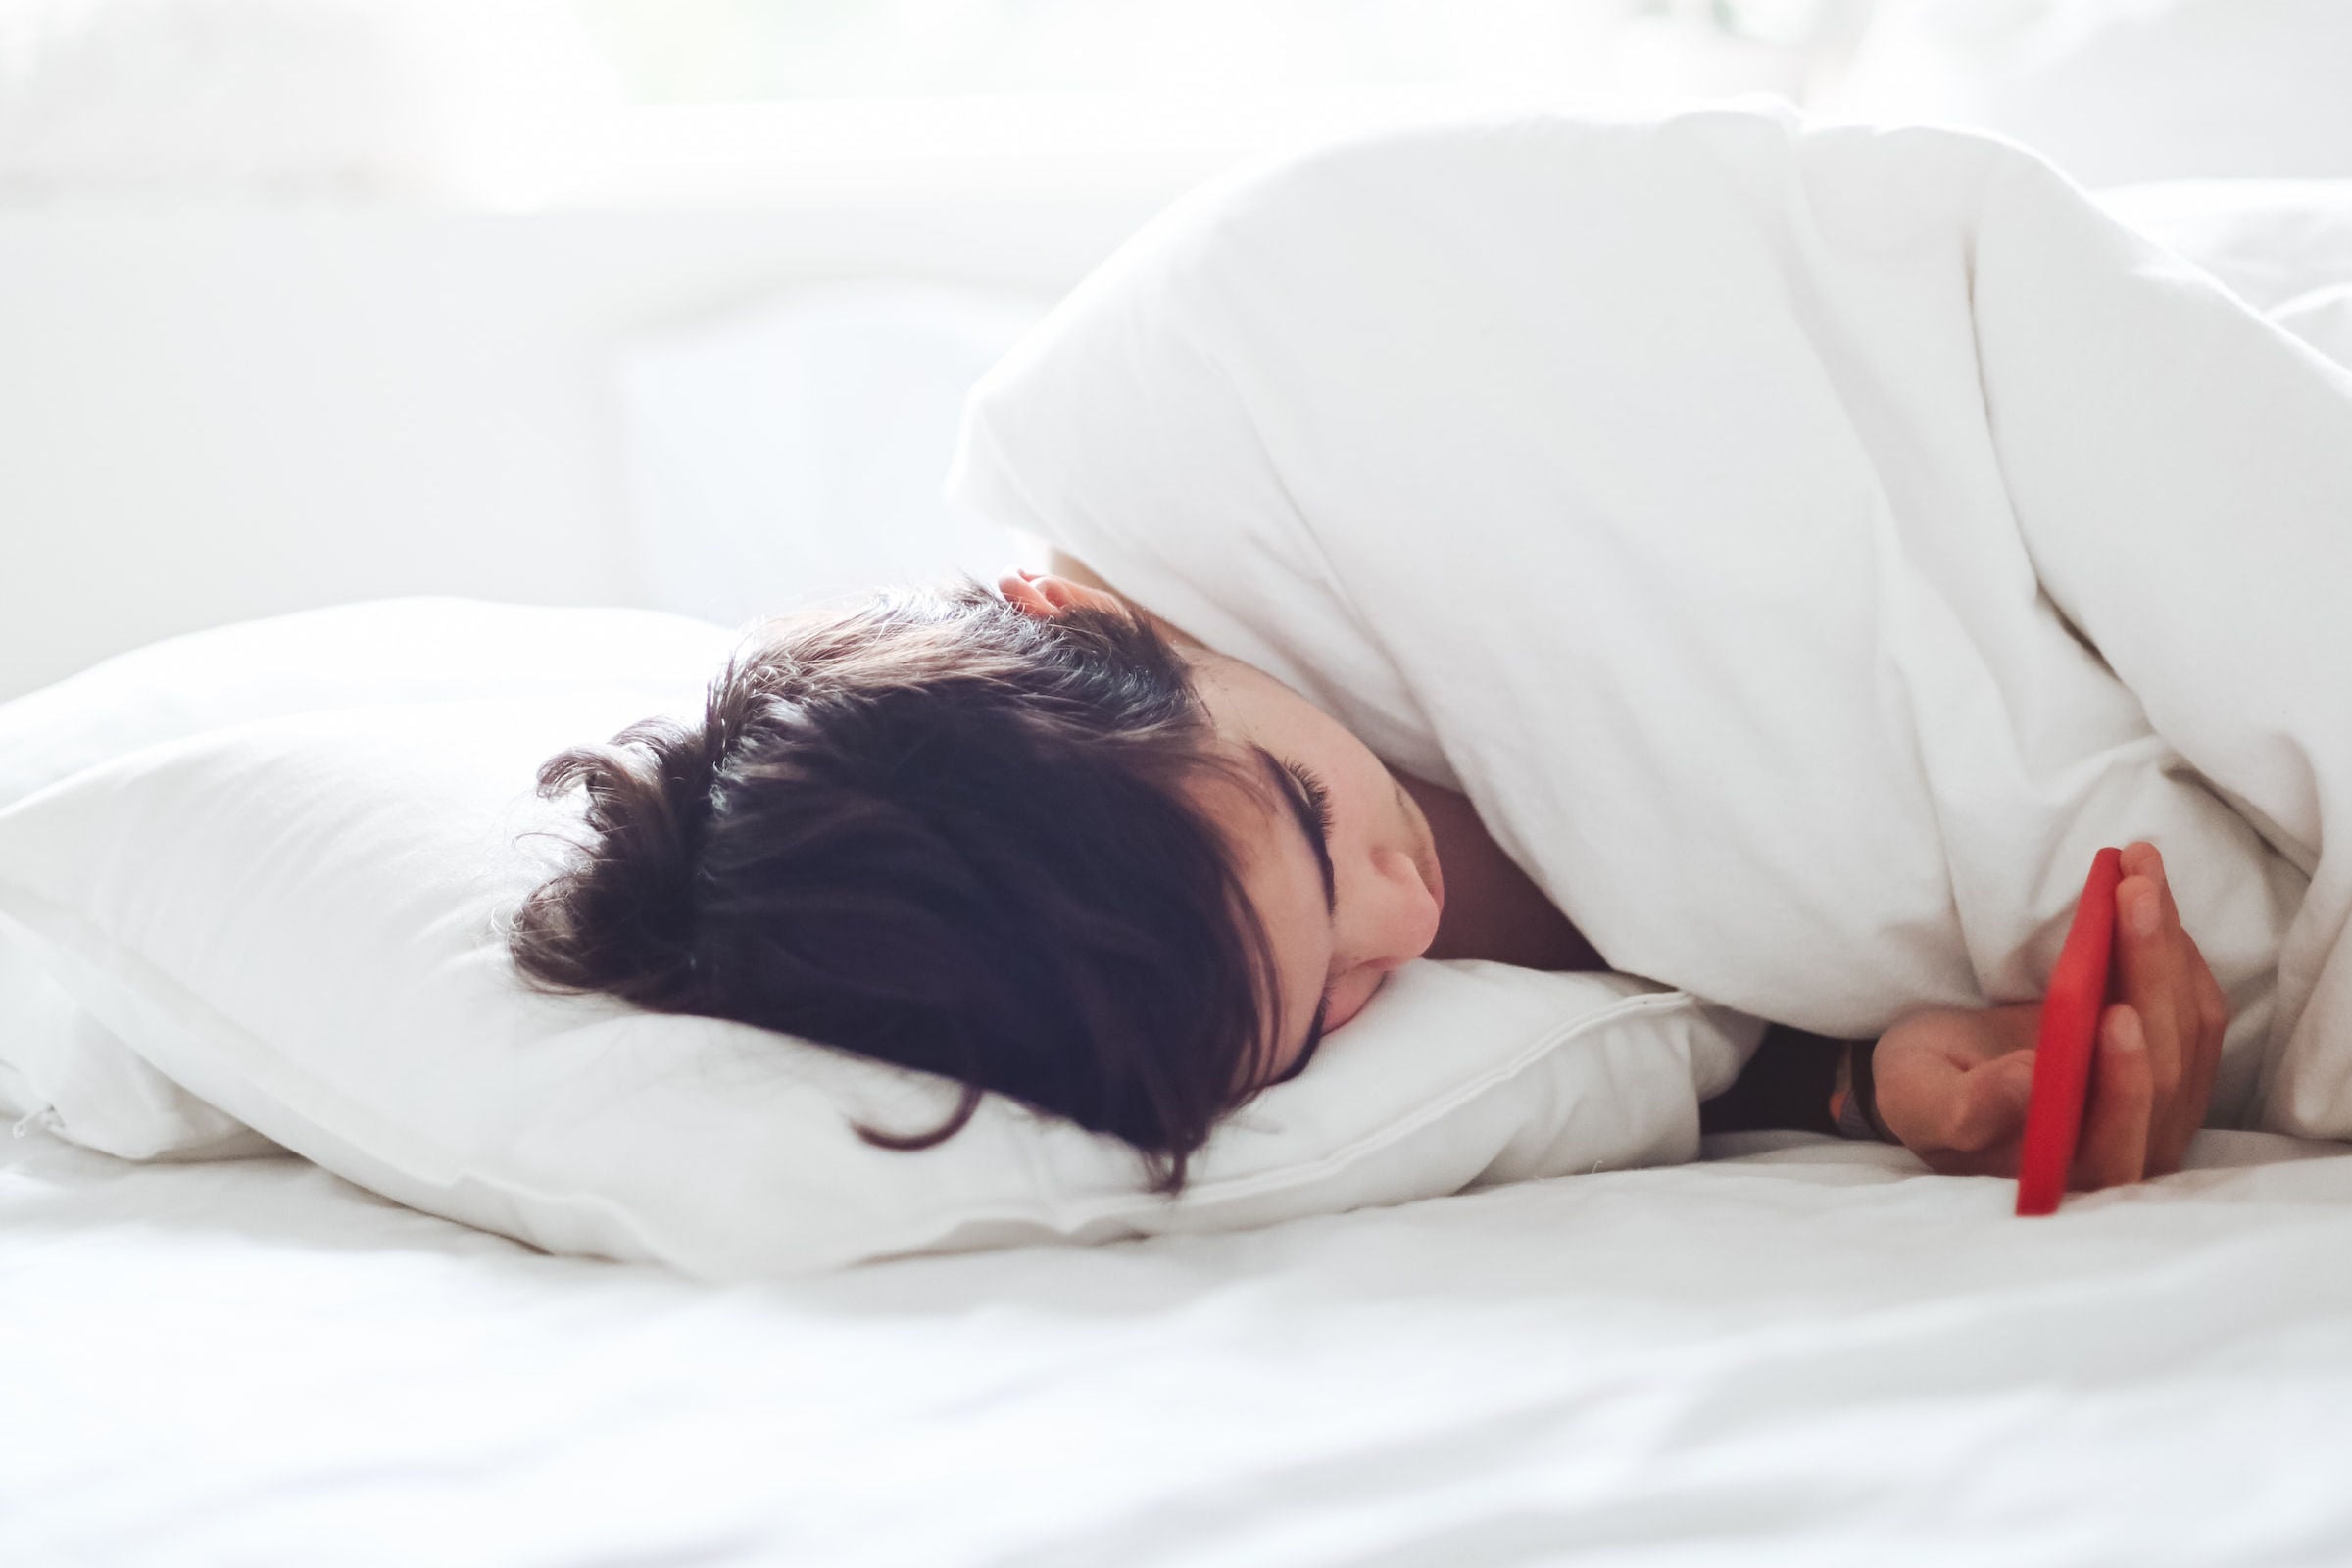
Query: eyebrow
[1310,824]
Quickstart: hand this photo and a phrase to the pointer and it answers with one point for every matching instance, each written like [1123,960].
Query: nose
[1400,917]
[1394,920]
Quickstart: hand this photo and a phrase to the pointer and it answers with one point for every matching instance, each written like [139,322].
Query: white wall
[211,412]
[215,410]
[274,330]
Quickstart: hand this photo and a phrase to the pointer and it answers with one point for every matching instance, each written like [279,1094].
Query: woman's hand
[1953,1085]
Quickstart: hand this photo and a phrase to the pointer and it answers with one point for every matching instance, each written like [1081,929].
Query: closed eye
[1318,796]
[1310,803]
[1310,806]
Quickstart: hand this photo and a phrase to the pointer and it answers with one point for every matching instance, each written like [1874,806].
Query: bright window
[710,51]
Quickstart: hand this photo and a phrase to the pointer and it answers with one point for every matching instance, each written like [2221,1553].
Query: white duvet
[1806,544]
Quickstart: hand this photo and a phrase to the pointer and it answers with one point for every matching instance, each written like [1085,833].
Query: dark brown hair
[940,832]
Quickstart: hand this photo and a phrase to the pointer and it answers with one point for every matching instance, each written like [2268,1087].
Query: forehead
[1243,702]
[1247,798]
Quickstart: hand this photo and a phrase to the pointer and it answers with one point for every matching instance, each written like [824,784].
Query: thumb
[1990,1105]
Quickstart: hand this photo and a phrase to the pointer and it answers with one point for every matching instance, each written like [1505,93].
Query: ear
[1048,596]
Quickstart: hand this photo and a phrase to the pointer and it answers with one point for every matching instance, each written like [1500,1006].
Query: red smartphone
[2070,1027]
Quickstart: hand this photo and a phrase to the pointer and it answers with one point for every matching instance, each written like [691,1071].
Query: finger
[2148,960]
[2200,1019]
[2181,1117]
[2191,960]
[2188,965]
[1989,1105]
[2212,1014]
[2115,1129]
[2213,1005]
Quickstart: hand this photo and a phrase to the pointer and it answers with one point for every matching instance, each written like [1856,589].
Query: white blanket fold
[1806,544]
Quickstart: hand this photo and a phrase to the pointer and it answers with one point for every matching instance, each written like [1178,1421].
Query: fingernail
[2145,912]
[2124,1031]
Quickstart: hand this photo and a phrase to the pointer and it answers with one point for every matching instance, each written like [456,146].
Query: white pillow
[58,1063]
[62,1069]
[369,655]
[298,919]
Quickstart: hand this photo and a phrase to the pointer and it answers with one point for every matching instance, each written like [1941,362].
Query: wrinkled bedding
[1806,544]
[1807,1352]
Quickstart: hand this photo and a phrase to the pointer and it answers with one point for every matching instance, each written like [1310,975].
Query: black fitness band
[1859,1116]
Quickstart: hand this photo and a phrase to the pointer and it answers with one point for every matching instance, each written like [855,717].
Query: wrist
[1853,1102]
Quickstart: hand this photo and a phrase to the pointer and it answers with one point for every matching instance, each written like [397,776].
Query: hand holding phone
[2080,987]
[2100,1084]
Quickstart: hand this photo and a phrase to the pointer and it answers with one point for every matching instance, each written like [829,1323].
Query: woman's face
[1334,855]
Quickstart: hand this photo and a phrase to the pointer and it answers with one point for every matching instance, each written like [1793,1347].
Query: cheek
[1349,996]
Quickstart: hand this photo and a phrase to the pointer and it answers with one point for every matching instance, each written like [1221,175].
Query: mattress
[1799,1351]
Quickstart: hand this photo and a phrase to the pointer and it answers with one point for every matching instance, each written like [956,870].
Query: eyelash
[1317,796]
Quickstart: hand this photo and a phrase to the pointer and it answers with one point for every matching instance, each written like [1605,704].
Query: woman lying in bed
[1041,842]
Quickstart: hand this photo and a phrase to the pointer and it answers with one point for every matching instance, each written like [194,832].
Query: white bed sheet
[1809,1352]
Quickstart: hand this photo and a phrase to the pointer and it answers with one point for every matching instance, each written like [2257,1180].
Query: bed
[1795,1350]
